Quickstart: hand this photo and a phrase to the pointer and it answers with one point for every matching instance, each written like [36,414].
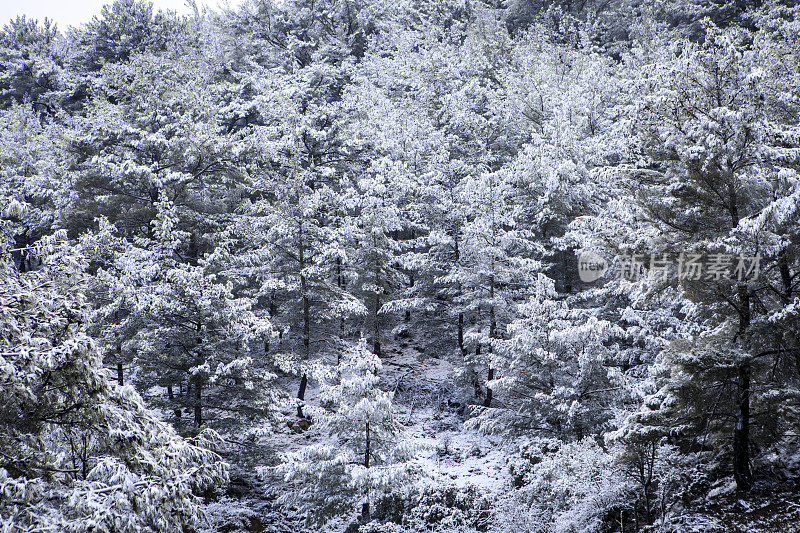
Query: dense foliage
[222,233]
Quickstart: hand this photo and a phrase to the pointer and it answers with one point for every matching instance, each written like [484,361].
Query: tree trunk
[340,284]
[492,327]
[367,450]
[272,309]
[301,394]
[193,249]
[477,377]
[171,397]
[376,332]
[457,253]
[488,401]
[786,276]
[741,434]
[365,506]
[198,405]
[461,334]
[120,377]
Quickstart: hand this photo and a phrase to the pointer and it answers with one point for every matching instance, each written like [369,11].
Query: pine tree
[708,141]
[376,224]
[79,452]
[193,326]
[566,394]
[368,457]
[33,158]
[496,265]
[299,258]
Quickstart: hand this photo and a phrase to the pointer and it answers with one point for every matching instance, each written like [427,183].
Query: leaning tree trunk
[301,394]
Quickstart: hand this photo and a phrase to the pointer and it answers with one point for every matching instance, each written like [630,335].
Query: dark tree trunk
[198,404]
[365,506]
[193,249]
[306,325]
[171,397]
[492,327]
[367,450]
[272,309]
[487,402]
[340,284]
[461,334]
[120,376]
[461,347]
[376,333]
[741,435]
[301,394]
[477,381]
[786,276]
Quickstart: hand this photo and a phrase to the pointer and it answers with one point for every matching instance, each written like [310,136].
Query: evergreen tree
[369,457]
[80,453]
[568,393]
[708,141]
[187,327]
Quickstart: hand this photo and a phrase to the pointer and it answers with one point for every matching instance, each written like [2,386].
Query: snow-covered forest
[418,265]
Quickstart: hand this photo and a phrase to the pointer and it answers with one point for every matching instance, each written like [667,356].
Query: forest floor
[767,509]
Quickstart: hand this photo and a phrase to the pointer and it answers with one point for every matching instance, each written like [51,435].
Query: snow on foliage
[79,452]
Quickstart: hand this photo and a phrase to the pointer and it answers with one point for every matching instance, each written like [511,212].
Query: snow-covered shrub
[571,487]
[434,508]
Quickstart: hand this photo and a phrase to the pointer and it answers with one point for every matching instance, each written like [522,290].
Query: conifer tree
[368,458]
[79,452]
[709,141]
